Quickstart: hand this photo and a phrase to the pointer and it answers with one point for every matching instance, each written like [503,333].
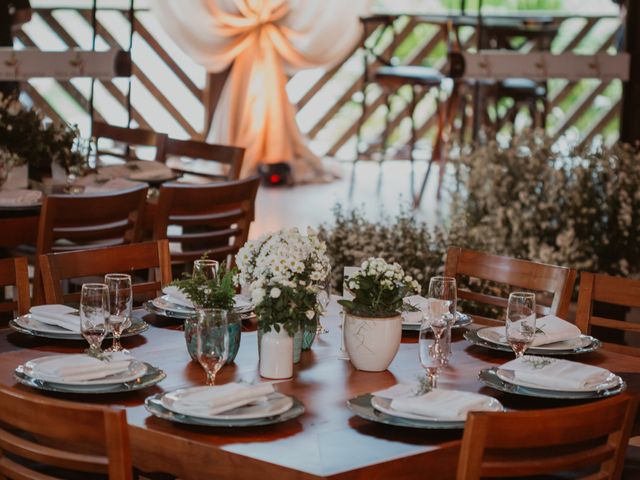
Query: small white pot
[371,342]
[276,354]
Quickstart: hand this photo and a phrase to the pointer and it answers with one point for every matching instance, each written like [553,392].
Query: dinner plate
[612,381]
[165,307]
[584,344]
[152,376]
[273,404]
[462,320]
[28,325]
[490,378]
[363,407]
[384,405]
[135,370]
[154,406]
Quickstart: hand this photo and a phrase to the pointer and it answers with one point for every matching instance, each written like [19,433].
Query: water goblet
[444,289]
[206,268]
[433,351]
[120,306]
[521,321]
[212,341]
[94,312]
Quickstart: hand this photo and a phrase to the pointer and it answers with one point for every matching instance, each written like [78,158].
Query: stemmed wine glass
[94,312]
[444,289]
[120,305]
[206,268]
[521,321]
[324,297]
[212,341]
[433,350]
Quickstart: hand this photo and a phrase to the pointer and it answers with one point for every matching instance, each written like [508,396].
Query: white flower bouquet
[283,270]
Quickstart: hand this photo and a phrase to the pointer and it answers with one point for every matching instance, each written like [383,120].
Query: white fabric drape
[262,40]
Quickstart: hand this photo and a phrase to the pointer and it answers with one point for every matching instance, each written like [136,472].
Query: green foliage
[286,307]
[37,142]
[214,293]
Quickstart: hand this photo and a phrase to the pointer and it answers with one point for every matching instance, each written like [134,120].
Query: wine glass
[120,305]
[521,321]
[94,311]
[206,268]
[432,347]
[212,341]
[324,297]
[444,288]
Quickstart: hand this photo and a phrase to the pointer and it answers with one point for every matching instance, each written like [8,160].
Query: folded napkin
[80,367]
[177,296]
[209,401]
[440,404]
[426,306]
[555,373]
[112,185]
[58,315]
[20,198]
[551,329]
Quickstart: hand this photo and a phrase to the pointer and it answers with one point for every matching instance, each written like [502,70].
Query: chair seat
[413,74]
[521,87]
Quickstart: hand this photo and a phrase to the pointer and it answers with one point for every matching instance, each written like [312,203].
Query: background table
[327,441]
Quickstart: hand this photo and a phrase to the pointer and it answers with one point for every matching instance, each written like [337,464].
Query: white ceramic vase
[372,342]
[276,354]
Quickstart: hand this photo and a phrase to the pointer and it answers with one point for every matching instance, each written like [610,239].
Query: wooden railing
[171,94]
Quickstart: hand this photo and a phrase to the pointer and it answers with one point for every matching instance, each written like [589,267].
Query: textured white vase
[372,343]
[276,355]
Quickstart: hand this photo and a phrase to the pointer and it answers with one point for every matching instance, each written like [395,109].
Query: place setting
[234,404]
[414,308]
[104,307]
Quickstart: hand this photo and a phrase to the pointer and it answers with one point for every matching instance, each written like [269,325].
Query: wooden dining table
[327,441]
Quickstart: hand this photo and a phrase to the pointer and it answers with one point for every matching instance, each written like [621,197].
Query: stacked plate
[62,322]
[411,321]
[172,306]
[554,337]
[548,377]
[229,405]
[81,373]
[403,406]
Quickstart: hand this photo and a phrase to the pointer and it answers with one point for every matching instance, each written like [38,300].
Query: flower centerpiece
[208,295]
[38,142]
[373,322]
[282,271]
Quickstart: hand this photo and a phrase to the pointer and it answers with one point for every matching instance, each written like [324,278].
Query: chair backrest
[13,272]
[536,442]
[223,154]
[556,282]
[610,290]
[215,218]
[128,137]
[90,220]
[151,256]
[71,436]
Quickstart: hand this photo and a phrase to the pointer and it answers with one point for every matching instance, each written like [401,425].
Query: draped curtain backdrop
[262,41]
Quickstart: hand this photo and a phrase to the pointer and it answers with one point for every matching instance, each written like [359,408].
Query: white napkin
[58,315]
[209,401]
[555,373]
[177,296]
[426,306]
[440,404]
[80,367]
[112,185]
[137,170]
[20,198]
[554,330]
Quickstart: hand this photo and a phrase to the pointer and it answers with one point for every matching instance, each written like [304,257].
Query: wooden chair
[518,444]
[226,155]
[611,290]
[128,137]
[77,222]
[13,272]
[59,267]
[215,218]
[61,438]
[520,274]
